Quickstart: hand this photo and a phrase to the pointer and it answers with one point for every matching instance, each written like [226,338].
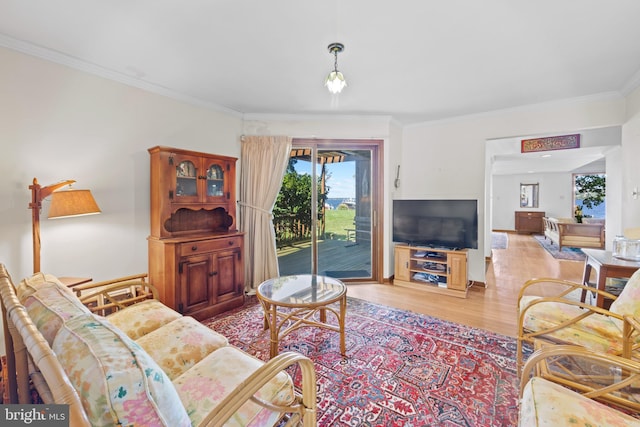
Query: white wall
[554,197]
[57,123]
[631,169]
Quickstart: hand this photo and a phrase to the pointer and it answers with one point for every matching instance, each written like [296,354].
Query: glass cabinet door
[186,180]
[215,181]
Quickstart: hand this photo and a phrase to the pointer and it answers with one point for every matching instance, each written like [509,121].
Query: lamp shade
[72,203]
[335,82]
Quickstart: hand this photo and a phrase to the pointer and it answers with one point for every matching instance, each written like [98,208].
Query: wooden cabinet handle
[194,248]
[213,273]
[230,242]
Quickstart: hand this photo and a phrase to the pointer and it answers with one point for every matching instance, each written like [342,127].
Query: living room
[65,118]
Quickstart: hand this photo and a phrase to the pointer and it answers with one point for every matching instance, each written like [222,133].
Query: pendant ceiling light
[335,80]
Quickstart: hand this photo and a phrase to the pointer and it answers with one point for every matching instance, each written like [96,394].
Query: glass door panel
[344,217]
[333,186]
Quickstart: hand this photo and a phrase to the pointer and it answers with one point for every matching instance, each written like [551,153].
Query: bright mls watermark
[34,415]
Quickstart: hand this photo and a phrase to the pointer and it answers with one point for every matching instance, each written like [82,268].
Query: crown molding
[603,96]
[77,64]
[386,119]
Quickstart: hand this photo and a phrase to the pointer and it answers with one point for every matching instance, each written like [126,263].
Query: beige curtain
[264,161]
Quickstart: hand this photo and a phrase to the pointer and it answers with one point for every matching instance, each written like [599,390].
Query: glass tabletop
[302,289]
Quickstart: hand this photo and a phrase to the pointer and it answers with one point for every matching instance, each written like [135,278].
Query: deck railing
[290,229]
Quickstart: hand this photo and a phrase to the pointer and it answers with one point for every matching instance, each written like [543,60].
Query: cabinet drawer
[203,246]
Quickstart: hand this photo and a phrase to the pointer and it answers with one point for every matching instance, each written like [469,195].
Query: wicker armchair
[569,385]
[554,313]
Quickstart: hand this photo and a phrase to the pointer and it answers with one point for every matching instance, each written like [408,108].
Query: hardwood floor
[492,308]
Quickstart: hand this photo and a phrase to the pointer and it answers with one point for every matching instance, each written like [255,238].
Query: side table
[604,264]
[299,299]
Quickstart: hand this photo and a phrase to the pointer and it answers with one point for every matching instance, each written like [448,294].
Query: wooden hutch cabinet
[195,251]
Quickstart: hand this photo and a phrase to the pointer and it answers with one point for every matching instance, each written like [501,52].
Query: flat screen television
[435,223]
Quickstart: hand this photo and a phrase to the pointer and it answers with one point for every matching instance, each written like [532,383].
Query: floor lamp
[63,204]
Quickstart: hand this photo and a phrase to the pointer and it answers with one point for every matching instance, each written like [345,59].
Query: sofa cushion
[141,318]
[548,404]
[118,383]
[180,344]
[202,387]
[31,284]
[50,306]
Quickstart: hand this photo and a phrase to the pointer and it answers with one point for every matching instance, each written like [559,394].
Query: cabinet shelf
[432,270]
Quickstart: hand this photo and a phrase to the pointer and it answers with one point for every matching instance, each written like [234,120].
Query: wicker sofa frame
[32,362]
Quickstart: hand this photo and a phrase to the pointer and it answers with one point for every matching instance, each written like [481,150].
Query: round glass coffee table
[303,301]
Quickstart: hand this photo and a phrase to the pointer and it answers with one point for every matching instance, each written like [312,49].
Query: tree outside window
[589,195]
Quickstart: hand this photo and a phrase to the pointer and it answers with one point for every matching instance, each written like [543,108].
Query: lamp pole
[39,193]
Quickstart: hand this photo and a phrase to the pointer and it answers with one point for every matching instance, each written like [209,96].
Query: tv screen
[436,223]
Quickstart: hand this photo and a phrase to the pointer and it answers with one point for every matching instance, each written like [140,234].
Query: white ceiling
[413,60]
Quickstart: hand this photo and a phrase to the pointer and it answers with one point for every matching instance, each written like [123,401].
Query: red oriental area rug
[401,368]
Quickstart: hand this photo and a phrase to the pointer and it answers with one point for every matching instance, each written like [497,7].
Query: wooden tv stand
[442,271]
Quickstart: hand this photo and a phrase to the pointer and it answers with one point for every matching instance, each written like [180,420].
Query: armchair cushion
[628,302]
[118,383]
[596,332]
[205,385]
[545,403]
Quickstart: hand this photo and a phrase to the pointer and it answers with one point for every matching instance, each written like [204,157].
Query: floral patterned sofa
[142,364]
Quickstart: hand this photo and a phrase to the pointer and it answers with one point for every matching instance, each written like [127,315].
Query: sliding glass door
[326,213]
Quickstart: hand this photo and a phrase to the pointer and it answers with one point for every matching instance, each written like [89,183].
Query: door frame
[377,196]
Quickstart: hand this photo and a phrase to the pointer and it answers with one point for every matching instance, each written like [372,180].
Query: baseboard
[473,283]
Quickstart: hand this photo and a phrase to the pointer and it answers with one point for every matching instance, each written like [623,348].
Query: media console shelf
[442,271]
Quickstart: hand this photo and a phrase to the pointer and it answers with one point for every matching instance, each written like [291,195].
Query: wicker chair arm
[564,287]
[115,294]
[304,407]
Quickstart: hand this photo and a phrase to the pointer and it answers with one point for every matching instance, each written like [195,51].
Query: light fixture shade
[72,203]
[335,82]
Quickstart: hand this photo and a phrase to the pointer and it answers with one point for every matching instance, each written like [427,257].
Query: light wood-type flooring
[492,308]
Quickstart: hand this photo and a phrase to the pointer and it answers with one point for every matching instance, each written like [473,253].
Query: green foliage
[591,189]
[294,199]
